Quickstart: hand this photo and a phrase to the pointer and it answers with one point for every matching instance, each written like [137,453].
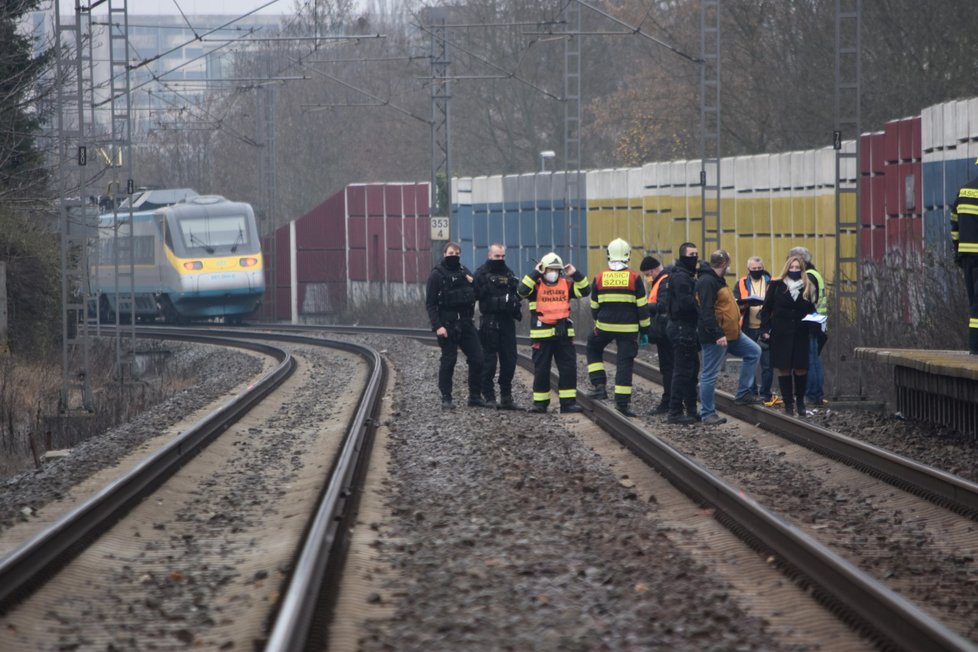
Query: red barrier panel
[356,201]
[866,154]
[358,265]
[395,266]
[375,200]
[376,246]
[394,200]
[865,200]
[891,141]
[891,182]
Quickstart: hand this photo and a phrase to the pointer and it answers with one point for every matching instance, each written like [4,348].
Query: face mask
[617,265]
[452,262]
[497,266]
[794,276]
[756,274]
[688,262]
[551,276]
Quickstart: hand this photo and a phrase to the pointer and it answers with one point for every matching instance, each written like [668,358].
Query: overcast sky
[232,7]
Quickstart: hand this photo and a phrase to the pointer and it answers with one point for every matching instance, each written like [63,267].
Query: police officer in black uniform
[450,300]
[499,308]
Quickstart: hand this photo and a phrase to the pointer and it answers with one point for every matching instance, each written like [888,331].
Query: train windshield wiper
[237,241]
[197,241]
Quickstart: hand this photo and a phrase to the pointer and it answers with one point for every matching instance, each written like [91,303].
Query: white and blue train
[195,260]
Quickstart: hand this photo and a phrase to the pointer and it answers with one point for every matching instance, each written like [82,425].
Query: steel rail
[64,538]
[938,486]
[878,609]
[313,582]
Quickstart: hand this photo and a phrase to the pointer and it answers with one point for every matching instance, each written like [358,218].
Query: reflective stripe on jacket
[543,304]
[618,302]
[964,219]
[822,305]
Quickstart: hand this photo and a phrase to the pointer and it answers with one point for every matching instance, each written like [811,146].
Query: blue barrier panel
[937,233]
[528,229]
[545,230]
[467,231]
[957,172]
[511,227]
[561,229]
[933,173]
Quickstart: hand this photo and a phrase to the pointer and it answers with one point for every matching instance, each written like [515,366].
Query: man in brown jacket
[719,333]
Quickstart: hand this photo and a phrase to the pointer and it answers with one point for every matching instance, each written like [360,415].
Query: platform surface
[959,364]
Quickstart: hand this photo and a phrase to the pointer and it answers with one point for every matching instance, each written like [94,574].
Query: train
[194,260]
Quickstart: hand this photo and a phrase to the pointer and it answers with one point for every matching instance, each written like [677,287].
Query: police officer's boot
[506,403]
[446,403]
[491,401]
[599,393]
[622,406]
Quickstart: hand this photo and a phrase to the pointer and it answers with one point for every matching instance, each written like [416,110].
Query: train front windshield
[217,235]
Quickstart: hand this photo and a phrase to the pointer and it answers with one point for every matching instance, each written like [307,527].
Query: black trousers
[969,263]
[667,365]
[627,348]
[498,338]
[461,335]
[561,351]
[686,367]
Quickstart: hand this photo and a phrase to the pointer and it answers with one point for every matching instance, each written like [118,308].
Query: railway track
[106,535]
[874,607]
[870,604]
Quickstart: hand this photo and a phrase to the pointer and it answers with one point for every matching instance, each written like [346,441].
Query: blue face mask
[794,276]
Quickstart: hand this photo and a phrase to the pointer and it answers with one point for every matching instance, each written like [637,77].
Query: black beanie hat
[648,263]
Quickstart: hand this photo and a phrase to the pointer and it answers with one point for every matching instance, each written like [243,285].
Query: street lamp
[544,155]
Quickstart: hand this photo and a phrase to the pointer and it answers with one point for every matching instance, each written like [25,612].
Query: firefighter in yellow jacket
[619,305]
[548,290]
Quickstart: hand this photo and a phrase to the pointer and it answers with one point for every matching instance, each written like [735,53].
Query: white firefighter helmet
[551,261]
[619,251]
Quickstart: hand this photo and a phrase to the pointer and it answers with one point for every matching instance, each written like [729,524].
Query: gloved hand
[643,339]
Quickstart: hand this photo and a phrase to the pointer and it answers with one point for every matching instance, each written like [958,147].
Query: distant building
[172,67]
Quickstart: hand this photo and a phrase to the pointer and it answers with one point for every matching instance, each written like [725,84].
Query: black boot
[538,407]
[570,407]
[446,403]
[622,407]
[787,393]
[506,403]
[599,393]
[801,386]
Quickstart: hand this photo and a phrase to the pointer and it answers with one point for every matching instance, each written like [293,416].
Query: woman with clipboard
[789,300]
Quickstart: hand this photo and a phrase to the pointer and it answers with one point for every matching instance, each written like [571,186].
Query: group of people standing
[777,324]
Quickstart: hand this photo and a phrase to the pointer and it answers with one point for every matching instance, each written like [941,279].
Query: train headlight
[193,265]
[248,262]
